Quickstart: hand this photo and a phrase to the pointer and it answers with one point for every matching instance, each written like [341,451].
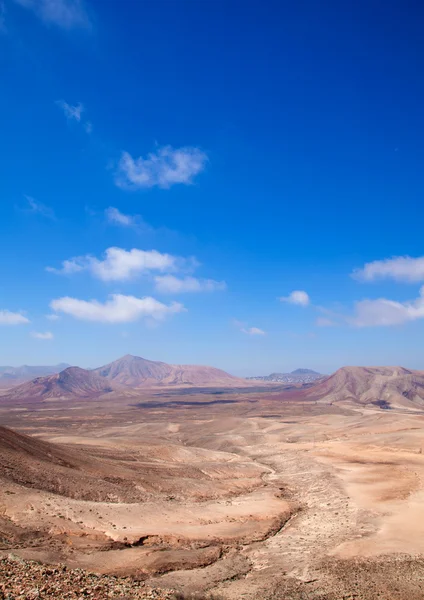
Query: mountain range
[121,376]
[383,387]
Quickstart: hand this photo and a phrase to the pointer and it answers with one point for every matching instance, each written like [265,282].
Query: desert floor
[244,494]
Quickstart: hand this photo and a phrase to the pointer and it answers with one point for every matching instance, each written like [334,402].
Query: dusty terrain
[243,493]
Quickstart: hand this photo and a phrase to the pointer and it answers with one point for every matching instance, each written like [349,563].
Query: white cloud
[67,14]
[119,264]
[253,331]
[52,317]
[42,336]
[298,297]
[383,312]
[164,168]
[169,284]
[12,318]
[36,207]
[73,113]
[116,217]
[399,268]
[117,309]
[88,126]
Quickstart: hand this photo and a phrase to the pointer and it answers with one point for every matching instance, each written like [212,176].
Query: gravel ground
[23,580]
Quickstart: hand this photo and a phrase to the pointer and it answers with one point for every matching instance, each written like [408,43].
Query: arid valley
[237,490]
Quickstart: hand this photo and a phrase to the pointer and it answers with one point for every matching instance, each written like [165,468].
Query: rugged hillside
[11,376]
[134,371]
[383,386]
[32,463]
[72,382]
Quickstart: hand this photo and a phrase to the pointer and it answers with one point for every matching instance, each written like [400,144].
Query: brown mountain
[11,376]
[134,371]
[72,382]
[384,386]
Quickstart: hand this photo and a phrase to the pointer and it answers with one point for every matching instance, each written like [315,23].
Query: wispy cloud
[12,318]
[253,331]
[38,335]
[73,113]
[35,207]
[52,317]
[136,222]
[117,309]
[242,326]
[298,297]
[325,322]
[169,284]
[119,264]
[399,268]
[116,217]
[163,168]
[67,14]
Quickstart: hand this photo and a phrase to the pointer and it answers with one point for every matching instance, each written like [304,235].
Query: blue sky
[174,173]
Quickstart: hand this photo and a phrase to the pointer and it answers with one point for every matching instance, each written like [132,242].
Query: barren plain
[253,494]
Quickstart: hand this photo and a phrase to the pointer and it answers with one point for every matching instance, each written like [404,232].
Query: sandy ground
[258,498]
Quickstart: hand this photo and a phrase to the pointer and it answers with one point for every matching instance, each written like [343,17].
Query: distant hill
[134,371]
[382,386]
[10,376]
[73,382]
[298,376]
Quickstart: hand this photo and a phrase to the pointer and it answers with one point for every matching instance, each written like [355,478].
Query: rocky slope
[65,471]
[383,386]
[30,580]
